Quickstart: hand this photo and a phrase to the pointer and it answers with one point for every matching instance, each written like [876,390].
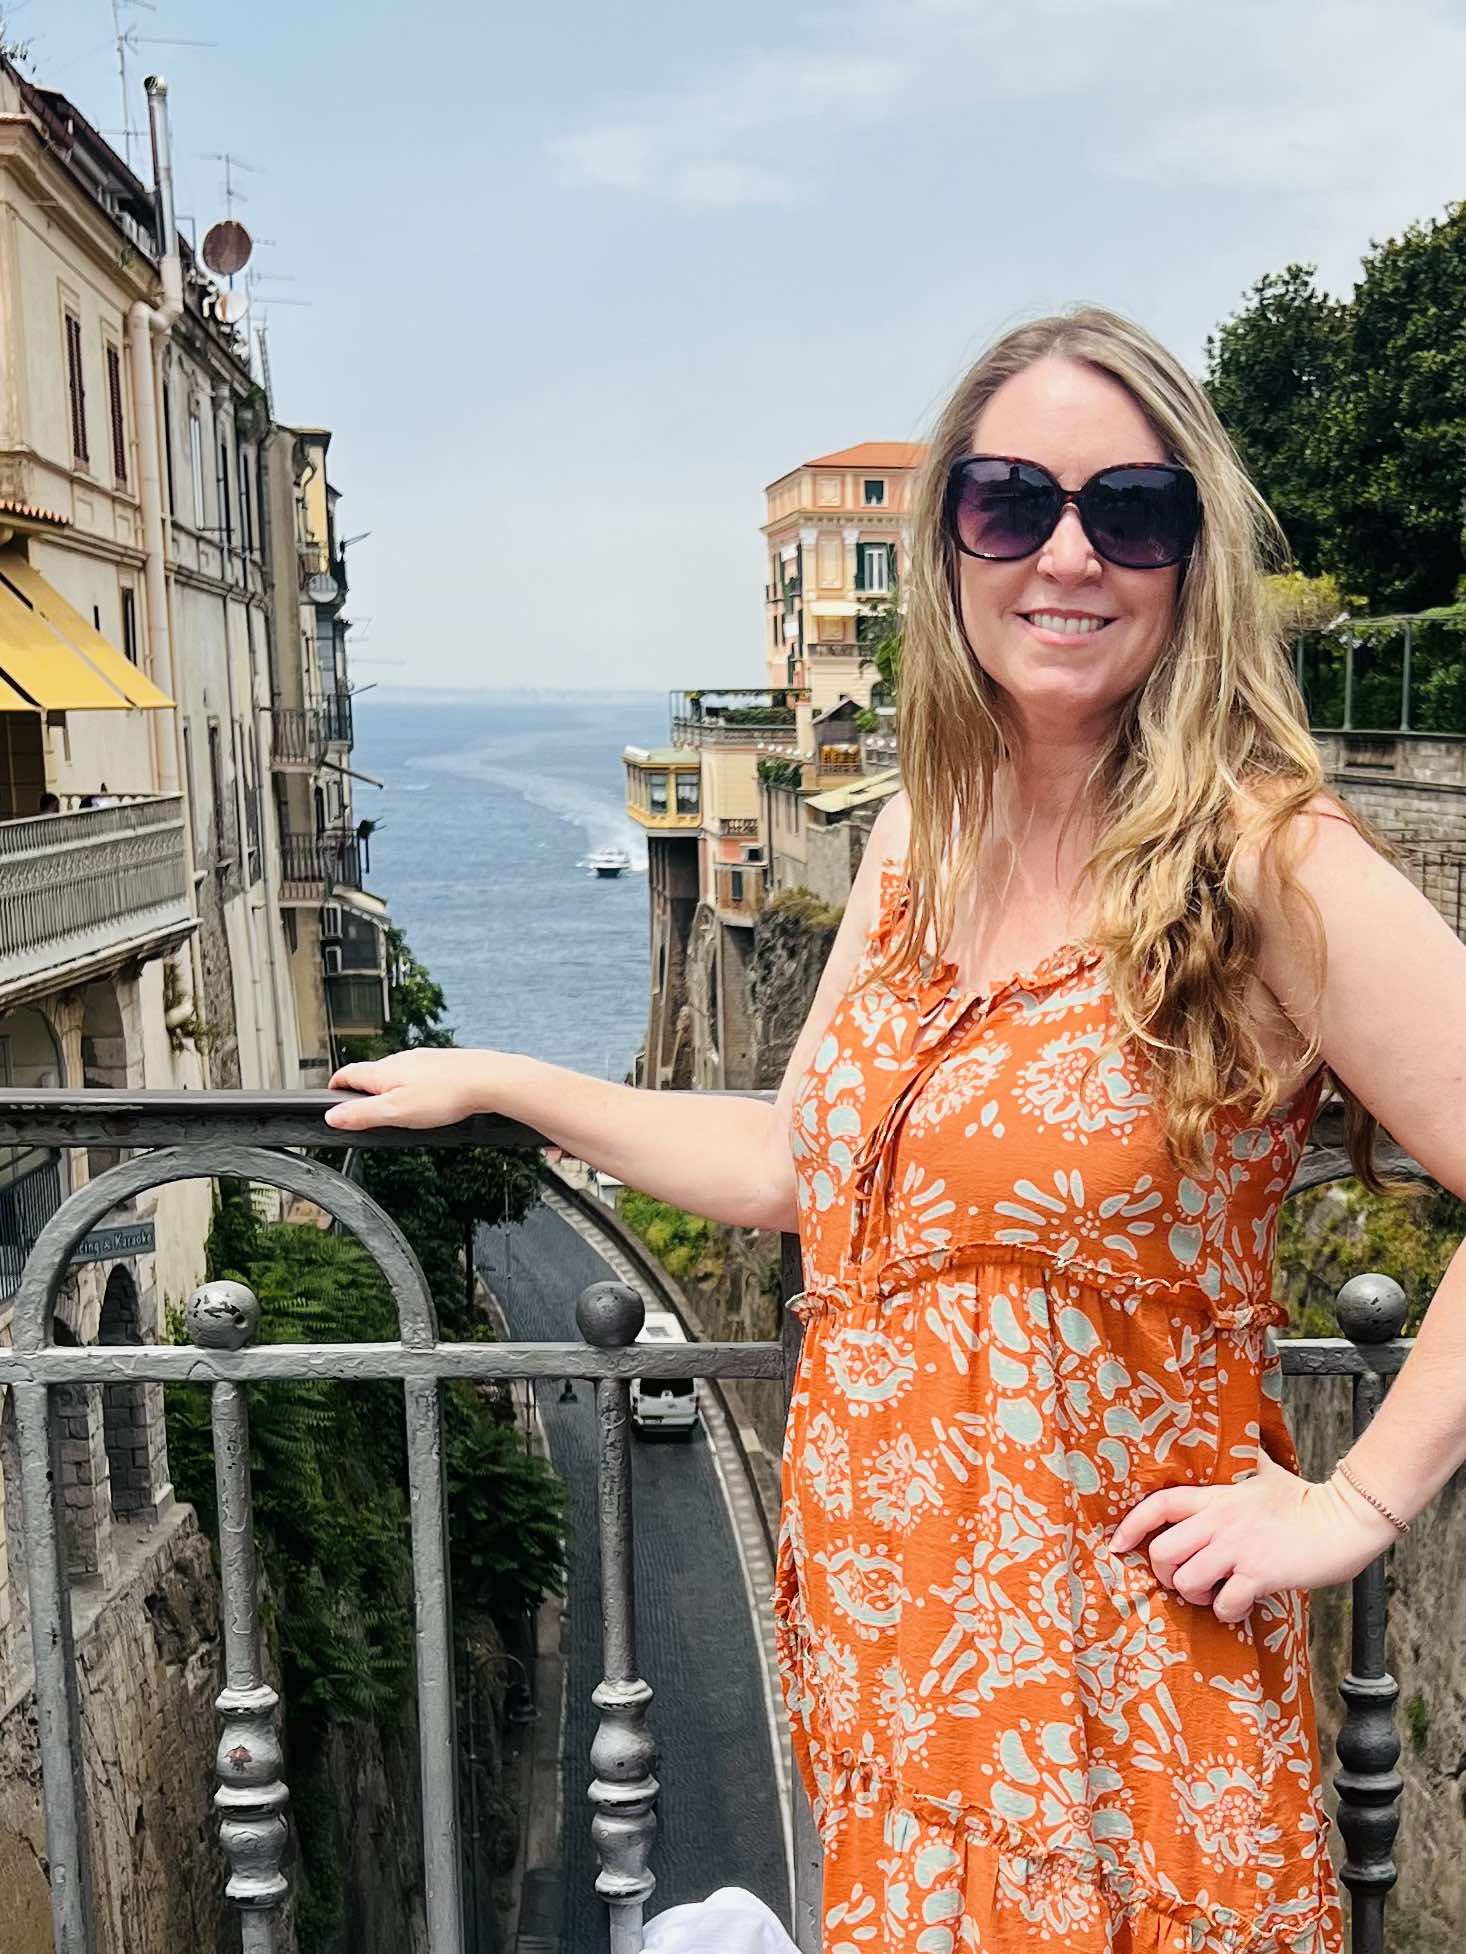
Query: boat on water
[607,862]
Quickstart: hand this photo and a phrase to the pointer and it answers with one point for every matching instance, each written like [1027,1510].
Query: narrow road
[718,1819]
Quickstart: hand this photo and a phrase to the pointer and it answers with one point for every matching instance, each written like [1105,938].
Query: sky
[572,283]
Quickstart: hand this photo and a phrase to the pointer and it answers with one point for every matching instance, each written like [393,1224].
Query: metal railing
[770,734]
[198,1134]
[311,865]
[27,1202]
[358,999]
[75,887]
[297,736]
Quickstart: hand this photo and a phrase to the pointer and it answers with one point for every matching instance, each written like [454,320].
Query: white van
[663,1404]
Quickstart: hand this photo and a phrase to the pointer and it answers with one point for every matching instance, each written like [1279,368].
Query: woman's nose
[1068,554]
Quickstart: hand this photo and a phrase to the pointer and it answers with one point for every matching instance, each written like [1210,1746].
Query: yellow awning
[73,630]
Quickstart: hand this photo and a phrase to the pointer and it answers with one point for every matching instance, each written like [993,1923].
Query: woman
[1042,1577]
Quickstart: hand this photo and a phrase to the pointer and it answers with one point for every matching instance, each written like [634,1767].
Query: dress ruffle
[895,1275]
[1086,1899]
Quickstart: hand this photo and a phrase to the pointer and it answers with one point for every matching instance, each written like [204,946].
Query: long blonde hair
[1211,752]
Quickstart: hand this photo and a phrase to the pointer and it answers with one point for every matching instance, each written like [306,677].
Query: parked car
[663,1404]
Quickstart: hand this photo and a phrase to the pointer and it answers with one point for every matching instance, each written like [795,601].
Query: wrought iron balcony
[336,718]
[358,1000]
[196,1134]
[297,738]
[312,865]
[81,893]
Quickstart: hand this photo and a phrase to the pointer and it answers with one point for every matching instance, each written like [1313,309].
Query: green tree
[1396,426]
[1272,370]
[438,1196]
[881,622]
[1351,415]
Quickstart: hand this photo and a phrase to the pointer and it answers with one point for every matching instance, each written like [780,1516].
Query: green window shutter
[891,565]
[860,566]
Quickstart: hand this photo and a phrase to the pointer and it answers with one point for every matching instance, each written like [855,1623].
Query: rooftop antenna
[129,38]
[231,163]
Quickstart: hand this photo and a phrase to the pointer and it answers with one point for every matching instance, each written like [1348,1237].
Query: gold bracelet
[1403,1525]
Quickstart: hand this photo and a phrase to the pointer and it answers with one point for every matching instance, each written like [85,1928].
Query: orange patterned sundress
[1019,1320]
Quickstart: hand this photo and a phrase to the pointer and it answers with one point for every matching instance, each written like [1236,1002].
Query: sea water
[490,803]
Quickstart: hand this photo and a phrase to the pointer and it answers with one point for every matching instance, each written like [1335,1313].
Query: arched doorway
[125,1423]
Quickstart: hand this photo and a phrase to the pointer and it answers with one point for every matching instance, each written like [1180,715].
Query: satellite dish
[322,589]
[227,248]
[231,306]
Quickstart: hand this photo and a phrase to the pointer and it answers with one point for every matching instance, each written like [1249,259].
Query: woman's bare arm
[711,1153]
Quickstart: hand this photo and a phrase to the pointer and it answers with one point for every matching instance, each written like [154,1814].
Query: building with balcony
[146,920]
[836,539]
[139,942]
[323,846]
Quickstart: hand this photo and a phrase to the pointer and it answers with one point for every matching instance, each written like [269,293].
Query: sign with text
[110,1244]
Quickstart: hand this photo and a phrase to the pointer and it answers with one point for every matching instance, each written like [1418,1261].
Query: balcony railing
[27,1203]
[245,1134]
[312,865]
[297,737]
[336,718]
[358,1000]
[774,732]
[750,716]
[739,825]
[80,891]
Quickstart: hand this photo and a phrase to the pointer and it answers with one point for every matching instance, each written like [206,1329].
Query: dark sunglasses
[1142,516]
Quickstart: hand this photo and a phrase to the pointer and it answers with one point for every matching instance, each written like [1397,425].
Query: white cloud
[1351,102]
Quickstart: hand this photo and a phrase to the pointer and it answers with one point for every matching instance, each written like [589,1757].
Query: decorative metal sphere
[222,1316]
[609,1315]
[1371,1309]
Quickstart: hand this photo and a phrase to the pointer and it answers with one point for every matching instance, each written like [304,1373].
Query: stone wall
[1426,1654]
[148,1673]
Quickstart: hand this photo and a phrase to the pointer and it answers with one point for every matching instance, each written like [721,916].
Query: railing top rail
[61,1116]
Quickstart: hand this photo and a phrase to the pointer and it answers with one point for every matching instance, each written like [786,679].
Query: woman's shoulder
[890,832]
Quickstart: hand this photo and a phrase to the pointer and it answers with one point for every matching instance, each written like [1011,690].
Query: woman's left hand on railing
[429,1086]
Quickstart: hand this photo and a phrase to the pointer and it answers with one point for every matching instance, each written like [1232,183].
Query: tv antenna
[232,163]
[128,39]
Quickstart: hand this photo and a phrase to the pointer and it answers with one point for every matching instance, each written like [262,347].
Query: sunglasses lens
[1002,508]
[1141,518]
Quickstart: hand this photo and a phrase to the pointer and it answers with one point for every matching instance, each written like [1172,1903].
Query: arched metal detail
[57,1705]
[343,1200]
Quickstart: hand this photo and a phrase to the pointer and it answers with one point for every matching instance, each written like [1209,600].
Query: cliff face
[148,1671]
[791,945]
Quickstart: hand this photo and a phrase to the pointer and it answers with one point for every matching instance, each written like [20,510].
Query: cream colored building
[836,538]
[335,927]
[143,908]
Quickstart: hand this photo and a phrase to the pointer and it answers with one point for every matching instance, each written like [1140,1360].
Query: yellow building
[836,535]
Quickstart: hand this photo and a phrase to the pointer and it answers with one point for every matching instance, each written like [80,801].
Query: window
[874,495]
[216,788]
[875,561]
[168,441]
[129,625]
[657,788]
[196,463]
[246,513]
[76,383]
[226,498]
[114,414]
[688,797]
[189,782]
[735,885]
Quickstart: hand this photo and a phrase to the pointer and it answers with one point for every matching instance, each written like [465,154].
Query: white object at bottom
[730,1921]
